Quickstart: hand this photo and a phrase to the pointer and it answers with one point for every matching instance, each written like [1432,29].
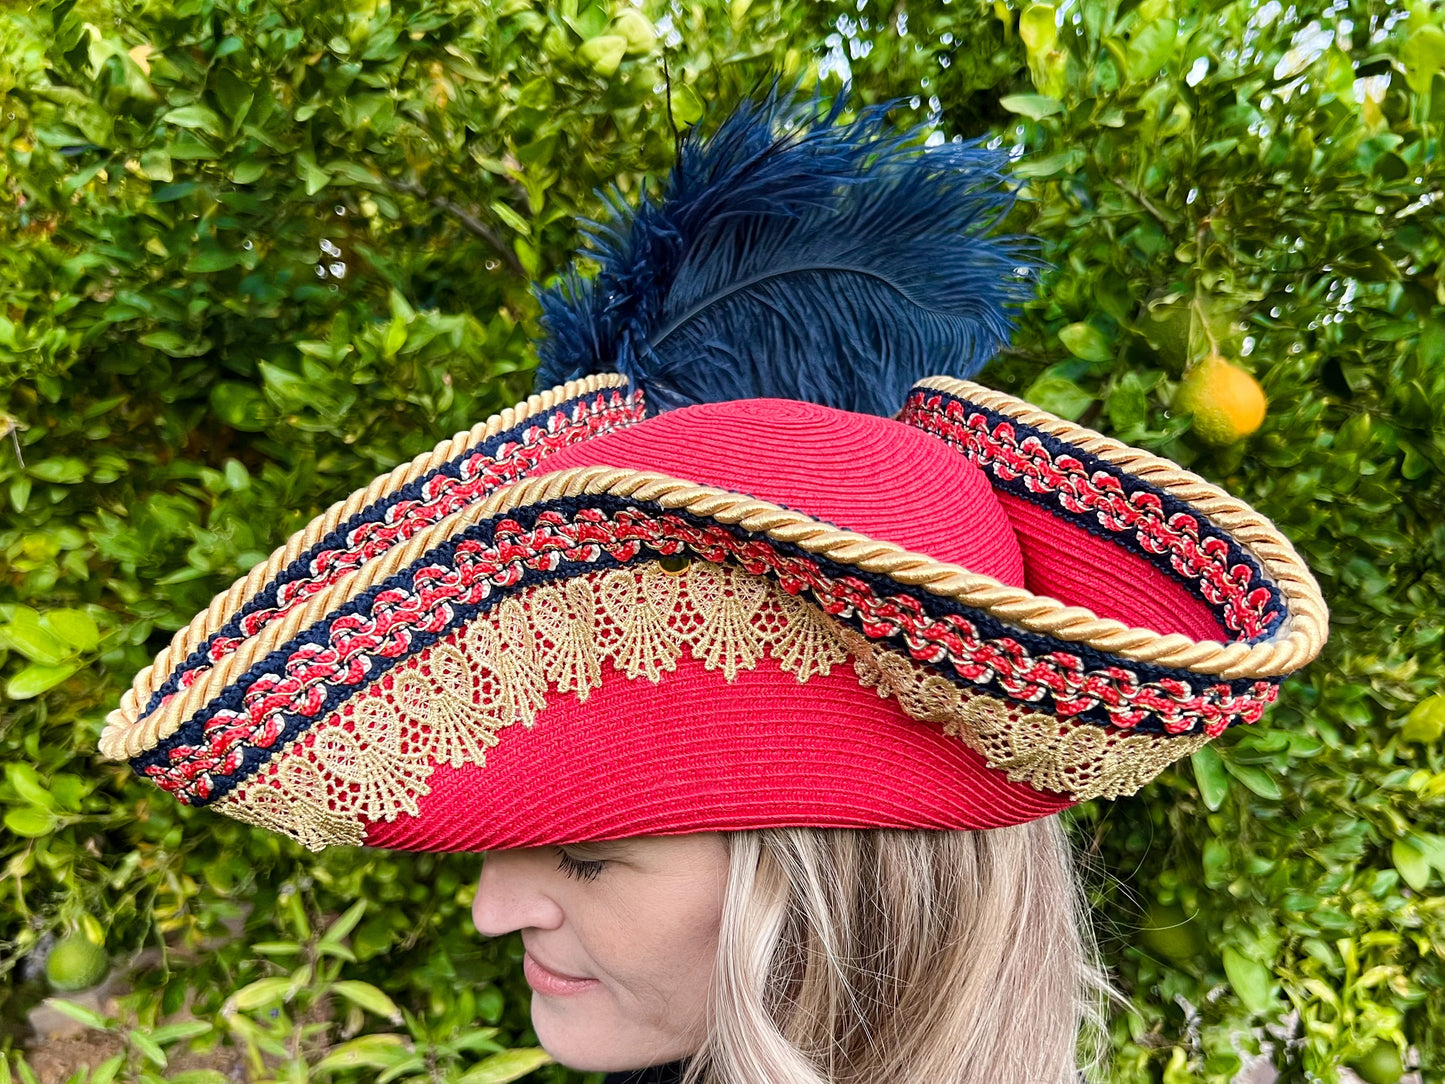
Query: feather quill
[797,256]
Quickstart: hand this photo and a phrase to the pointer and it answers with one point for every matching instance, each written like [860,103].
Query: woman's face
[620,938]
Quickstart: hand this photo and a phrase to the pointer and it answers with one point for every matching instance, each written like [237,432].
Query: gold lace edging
[371,759]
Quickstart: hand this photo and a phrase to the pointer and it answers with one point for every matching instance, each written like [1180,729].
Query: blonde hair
[862,956]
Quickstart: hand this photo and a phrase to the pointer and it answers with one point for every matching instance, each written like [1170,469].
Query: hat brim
[1066,700]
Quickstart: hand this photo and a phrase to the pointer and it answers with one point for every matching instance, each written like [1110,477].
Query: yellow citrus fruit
[1226,401]
[1380,1065]
[76,963]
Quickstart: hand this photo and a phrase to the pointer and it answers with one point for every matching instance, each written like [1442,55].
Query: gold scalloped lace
[371,759]
[1044,751]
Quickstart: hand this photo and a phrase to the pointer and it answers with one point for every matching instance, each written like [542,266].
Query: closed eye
[578,868]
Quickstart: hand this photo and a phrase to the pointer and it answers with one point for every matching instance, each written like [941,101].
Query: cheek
[663,953]
[656,963]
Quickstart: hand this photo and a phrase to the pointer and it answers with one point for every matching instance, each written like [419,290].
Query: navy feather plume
[792,255]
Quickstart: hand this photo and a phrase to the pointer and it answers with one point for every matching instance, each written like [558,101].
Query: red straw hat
[585,619]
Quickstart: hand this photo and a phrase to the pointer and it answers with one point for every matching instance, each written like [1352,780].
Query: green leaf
[62,469]
[395,338]
[31,822]
[249,170]
[1033,106]
[258,994]
[26,634]
[38,678]
[603,53]
[511,218]
[368,1051]
[74,627]
[1086,341]
[368,997]
[313,175]
[344,924]
[212,258]
[195,116]
[20,489]
[155,165]
[1038,28]
[79,1013]
[476,1039]
[507,1066]
[28,784]
[241,406]
[169,192]
[1426,721]
[277,948]
[184,1029]
[1059,395]
[1250,980]
[1412,864]
[199,1076]
[1050,165]
[1150,49]
[687,107]
[148,1047]
[1423,54]
[1256,779]
[1210,775]
[106,1071]
[234,94]
[175,344]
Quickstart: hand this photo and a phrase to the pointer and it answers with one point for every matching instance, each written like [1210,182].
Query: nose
[511,894]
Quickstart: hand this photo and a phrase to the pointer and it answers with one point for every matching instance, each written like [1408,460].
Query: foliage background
[256,252]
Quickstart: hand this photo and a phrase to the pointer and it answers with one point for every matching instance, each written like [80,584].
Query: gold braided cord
[1017,606]
[1306,625]
[225,605]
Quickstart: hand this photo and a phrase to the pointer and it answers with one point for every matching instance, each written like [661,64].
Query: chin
[590,1045]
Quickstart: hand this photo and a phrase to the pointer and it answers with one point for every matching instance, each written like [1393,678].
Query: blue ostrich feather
[797,256]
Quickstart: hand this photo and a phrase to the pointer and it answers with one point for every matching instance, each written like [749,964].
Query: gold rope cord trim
[372,758]
[225,604]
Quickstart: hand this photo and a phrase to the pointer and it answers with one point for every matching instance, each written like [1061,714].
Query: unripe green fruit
[76,963]
[1172,932]
[1381,1065]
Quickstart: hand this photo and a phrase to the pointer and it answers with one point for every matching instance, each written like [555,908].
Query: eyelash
[576,867]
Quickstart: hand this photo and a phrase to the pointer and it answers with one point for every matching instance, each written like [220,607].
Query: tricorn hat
[740,567]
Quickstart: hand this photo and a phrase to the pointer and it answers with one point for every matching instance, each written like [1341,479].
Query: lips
[551,983]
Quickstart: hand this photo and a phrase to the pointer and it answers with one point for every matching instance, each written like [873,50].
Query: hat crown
[861,472]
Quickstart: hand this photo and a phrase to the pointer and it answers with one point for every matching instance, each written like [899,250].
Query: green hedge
[255,252]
